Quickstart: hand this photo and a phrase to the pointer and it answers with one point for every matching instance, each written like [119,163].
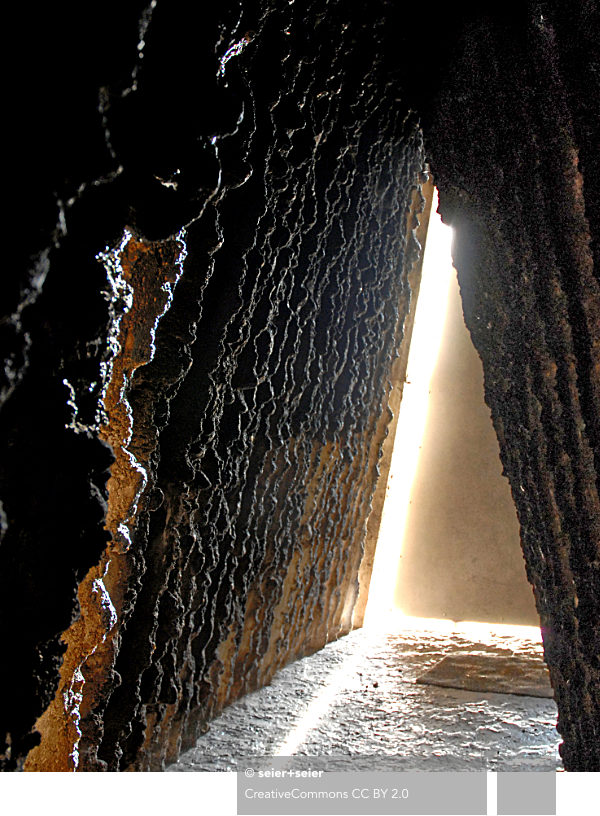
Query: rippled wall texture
[521,185]
[213,243]
[265,167]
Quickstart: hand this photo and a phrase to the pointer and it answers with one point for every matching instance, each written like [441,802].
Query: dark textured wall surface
[263,162]
[514,148]
[212,209]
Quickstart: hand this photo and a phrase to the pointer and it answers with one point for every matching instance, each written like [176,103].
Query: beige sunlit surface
[449,543]
[424,350]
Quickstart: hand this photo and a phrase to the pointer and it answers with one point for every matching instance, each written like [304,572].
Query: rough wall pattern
[514,148]
[58,312]
[235,351]
[263,163]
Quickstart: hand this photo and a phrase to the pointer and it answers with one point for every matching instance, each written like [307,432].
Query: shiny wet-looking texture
[356,702]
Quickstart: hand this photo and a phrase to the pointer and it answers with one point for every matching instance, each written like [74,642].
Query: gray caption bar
[276,791]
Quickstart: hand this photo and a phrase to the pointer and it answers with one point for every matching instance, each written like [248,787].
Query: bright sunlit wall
[448,546]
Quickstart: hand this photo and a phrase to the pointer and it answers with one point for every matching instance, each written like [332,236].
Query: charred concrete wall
[213,211]
[243,231]
[514,148]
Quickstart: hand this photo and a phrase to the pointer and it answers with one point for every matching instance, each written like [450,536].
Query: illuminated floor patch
[357,703]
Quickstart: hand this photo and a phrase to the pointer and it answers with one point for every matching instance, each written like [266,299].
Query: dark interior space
[215,214]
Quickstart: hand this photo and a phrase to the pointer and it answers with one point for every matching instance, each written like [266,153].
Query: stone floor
[356,705]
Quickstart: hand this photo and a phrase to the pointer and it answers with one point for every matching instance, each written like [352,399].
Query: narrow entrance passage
[421,693]
[449,544]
